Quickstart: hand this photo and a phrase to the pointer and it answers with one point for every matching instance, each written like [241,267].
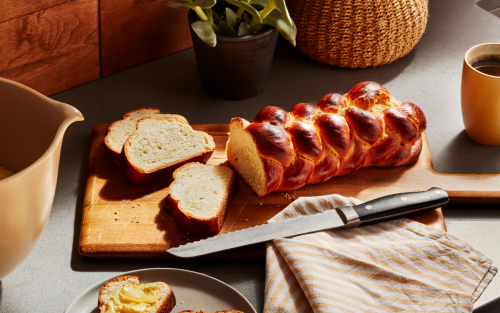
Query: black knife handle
[394,205]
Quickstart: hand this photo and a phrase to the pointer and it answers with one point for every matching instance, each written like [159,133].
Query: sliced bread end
[199,197]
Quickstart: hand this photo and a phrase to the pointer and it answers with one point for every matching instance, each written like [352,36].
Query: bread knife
[348,216]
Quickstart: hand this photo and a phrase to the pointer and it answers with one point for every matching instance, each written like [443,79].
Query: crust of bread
[197,225]
[165,307]
[130,113]
[365,127]
[137,176]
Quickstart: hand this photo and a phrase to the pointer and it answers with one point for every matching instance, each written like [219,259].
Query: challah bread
[283,151]
[199,197]
[124,294]
[119,131]
[160,145]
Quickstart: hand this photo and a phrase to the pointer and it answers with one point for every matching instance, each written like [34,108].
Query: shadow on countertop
[465,156]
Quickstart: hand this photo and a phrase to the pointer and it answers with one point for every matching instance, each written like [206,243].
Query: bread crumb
[138,204]
[133,206]
[116,218]
[137,221]
[116,212]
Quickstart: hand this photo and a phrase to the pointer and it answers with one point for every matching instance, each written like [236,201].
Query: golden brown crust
[115,155]
[331,103]
[297,174]
[335,132]
[272,142]
[306,140]
[196,225]
[365,127]
[138,176]
[129,113]
[168,304]
[304,112]
[272,115]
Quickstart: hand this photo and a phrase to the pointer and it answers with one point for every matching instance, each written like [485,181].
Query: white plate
[193,291]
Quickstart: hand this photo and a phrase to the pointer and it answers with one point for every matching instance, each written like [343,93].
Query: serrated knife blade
[350,216]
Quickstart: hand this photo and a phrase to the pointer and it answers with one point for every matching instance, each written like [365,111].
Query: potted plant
[234,42]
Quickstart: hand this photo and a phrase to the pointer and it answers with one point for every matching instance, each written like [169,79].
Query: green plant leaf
[205,31]
[216,18]
[247,7]
[181,3]
[226,30]
[276,20]
[259,3]
[244,29]
[284,11]
[231,17]
[205,4]
[208,13]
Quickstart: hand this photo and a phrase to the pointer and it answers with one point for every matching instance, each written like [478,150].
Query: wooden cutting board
[124,220]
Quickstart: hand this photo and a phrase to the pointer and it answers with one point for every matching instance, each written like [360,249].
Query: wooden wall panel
[54,49]
[137,31]
[10,9]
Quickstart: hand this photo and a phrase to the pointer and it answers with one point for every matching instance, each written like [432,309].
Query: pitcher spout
[67,113]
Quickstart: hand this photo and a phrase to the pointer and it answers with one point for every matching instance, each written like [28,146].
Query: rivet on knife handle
[393,205]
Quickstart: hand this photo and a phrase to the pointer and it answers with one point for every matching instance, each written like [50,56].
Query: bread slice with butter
[125,294]
[119,131]
[200,311]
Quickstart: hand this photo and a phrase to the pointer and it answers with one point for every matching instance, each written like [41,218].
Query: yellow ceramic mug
[481,98]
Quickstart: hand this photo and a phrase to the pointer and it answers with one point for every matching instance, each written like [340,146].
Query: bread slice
[119,131]
[110,295]
[200,311]
[199,197]
[161,145]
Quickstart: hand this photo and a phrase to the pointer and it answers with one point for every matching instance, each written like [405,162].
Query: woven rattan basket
[358,33]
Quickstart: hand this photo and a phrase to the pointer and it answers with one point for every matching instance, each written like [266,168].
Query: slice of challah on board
[157,297]
[199,197]
[283,151]
[159,146]
[119,131]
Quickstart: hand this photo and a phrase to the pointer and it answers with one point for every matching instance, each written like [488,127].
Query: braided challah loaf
[283,151]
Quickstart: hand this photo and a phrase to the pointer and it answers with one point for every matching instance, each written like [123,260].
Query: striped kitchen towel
[395,266]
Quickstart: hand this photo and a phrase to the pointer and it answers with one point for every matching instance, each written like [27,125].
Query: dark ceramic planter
[237,67]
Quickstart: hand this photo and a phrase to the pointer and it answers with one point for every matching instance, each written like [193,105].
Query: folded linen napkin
[395,266]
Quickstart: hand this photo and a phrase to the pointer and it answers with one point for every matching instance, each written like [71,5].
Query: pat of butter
[133,299]
[4,173]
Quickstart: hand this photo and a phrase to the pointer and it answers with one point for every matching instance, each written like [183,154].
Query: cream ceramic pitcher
[32,127]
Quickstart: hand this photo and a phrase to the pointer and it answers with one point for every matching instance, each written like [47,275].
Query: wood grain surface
[10,9]
[53,49]
[121,219]
[138,31]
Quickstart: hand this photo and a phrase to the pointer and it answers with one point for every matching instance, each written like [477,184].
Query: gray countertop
[54,274]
